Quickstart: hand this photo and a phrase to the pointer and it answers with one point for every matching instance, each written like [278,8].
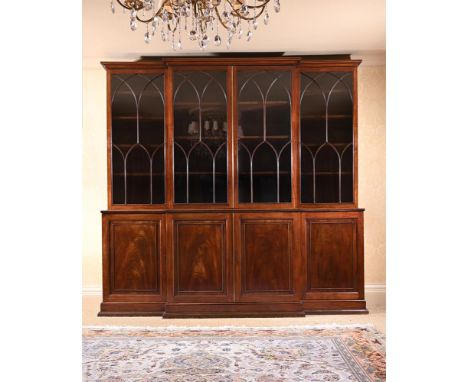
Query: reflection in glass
[138,139]
[264,136]
[326,137]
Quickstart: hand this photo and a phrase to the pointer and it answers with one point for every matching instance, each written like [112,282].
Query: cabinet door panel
[201,155]
[137,135]
[202,257]
[327,124]
[263,137]
[266,257]
[134,257]
[333,249]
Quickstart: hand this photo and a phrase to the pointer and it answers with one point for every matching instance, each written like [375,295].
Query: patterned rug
[327,353]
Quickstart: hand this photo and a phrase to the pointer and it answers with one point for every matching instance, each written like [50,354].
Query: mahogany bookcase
[232,187]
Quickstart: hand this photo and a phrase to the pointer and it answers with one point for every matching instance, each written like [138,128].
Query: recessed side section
[133,262]
[134,266]
[266,257]
[333,254]
[202,257]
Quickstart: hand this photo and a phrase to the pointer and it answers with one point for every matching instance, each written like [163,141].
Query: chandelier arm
[220,19]
[123,5]
[263,3]
[259,6]
[157,14]
[234,11]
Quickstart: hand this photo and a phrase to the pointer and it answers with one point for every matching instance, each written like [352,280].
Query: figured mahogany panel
[266,255]
[135,257]
[201,255]
[331,254]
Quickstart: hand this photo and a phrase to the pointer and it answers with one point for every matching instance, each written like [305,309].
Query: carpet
[237,354]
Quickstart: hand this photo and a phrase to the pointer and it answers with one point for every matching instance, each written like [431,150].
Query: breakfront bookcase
[232,187]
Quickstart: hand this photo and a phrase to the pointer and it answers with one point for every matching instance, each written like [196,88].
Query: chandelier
[200,20]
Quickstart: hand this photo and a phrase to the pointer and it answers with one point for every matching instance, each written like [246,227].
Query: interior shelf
[327,173]
[195,137]
[127,145]
[199,173]
[134,118]
[254,137]
[254,173]
[136,174]
[340,144]
[323,116]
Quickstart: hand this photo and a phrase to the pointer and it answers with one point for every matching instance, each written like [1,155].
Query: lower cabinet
[133,264]
[268,261]
[232,264]
[333,252]
[200,258]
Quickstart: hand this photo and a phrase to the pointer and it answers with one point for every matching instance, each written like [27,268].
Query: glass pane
[200,137]
[138,139]
[264,136]
[326,137]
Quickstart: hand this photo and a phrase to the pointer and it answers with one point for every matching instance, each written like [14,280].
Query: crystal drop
[133,13]
[193,35]
[204,42]
[239,34]
[255,24]
[228,44]
[133,24]
[245,10]
[147,37]
[163,35]
[249,35]
[148,5]
[112,7]
[217,40]
[179,44]
[165,16]
[277,7]
[225,14]
[266,18]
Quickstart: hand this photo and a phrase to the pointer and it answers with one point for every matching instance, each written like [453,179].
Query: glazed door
[200,264]
[263,135]
[137,139]
[327,129]
[268,257]
[201,139]
[333,249]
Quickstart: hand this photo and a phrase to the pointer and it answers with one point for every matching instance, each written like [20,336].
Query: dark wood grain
[233,259]
[199,256]
[134,257]
[200,264]
[331,254]
[267,257]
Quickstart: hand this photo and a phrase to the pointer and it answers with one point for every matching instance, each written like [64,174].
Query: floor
[375,317]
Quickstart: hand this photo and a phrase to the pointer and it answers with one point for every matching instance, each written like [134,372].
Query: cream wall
[371,170]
